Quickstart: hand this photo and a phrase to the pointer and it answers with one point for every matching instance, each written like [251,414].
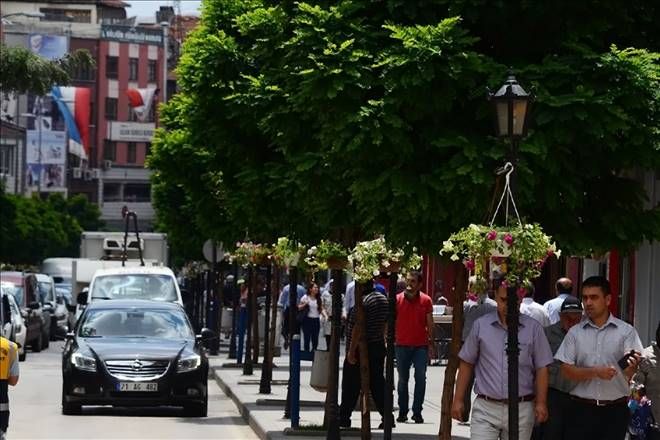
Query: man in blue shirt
[283,302]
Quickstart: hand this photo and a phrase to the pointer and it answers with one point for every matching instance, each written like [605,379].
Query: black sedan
[135,353]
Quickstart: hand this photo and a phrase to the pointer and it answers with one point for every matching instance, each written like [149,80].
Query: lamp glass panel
[502,112]
[519,112]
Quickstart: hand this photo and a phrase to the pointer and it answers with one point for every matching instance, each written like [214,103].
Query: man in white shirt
[533,309]
[564,288]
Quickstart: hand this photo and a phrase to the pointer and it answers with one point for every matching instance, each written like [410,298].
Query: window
[131,152]
[69,15]
[133,69]
[151,71]
[111,67]
[147,149]
[137,192]
[6,159]
[112,192]
[110,150]
[84,73]
[110,109]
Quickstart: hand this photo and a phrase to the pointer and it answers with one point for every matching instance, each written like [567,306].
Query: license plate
[137,386]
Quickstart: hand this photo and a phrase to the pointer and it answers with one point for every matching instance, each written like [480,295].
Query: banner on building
[131,34]
[51,47]
[131,131]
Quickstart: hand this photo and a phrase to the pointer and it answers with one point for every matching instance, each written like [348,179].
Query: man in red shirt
[414,343]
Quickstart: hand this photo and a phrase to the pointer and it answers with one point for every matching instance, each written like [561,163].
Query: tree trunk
[275,293]
[365,428]
[331,416]
[455,346]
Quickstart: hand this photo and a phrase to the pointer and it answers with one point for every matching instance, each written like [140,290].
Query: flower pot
[505,252]
[337,263]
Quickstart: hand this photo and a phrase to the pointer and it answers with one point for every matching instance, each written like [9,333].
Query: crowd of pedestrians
[577,362]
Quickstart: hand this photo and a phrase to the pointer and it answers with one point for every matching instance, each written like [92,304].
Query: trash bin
[319,378]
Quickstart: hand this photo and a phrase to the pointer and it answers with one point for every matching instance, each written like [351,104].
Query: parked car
[63,290]
[27,297]
[14,329]
[59,315]
[135,353]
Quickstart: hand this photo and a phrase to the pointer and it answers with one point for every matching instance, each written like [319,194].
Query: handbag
[302,314]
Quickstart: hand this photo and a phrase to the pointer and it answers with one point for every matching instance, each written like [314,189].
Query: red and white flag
[141,100]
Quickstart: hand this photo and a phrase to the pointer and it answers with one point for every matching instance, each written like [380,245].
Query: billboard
[51,47]
[45,150]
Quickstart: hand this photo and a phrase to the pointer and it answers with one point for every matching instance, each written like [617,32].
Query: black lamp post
[512,103]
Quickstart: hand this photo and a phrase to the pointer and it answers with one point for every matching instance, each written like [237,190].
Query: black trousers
[591,422]
[559,411]
[350,384]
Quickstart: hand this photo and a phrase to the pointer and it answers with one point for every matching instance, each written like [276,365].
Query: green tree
[351,118]
[22,71]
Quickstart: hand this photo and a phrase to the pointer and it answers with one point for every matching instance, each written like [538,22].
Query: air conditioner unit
[107,164]
[96,173]
[87,174]
[77,173]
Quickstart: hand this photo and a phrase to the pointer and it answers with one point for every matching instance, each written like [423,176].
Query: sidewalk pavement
[268,422]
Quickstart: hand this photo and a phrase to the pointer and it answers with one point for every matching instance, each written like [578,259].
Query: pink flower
[521,292]
[492,235]
[505,284]
[469,264]
[508,239]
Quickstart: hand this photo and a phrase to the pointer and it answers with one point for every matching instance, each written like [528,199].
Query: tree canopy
[345,119]
[33,229]
[22,71]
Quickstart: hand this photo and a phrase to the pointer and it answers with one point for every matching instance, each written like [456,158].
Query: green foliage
[21,71]
[348,119]
[33,229]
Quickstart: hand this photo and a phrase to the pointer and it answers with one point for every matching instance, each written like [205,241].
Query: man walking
[413,343]
[533,309]
[484,353]
[564,288]
[559,387]
[375,314]
[8,376]
[590,354]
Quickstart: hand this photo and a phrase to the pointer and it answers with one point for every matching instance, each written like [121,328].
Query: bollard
[295,381]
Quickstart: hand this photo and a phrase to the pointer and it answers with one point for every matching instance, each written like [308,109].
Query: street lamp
[512,104]
[165,25]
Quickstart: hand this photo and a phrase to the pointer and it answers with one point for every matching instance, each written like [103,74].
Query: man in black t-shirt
[375,313]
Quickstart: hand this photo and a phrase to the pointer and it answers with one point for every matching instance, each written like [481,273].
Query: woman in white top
[311,324]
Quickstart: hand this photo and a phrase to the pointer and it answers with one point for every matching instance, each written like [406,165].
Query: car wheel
[22,356]
[37,344]
[68,408]
[196,409]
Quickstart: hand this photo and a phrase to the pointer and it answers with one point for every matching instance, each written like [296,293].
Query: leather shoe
[402,418]
[417,418]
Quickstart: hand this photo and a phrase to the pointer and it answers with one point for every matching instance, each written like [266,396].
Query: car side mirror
[82,297]
[34,305]
[69,336]
[48,307]
[206,336]
[59,300]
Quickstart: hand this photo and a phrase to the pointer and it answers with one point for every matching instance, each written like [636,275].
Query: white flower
[558,253]
[454,257]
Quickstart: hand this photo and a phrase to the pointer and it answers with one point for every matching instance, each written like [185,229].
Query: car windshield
[136,323]
[15,291]
[46,291]
[134,286]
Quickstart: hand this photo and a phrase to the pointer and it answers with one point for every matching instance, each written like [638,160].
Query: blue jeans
[405,358]
[242,326]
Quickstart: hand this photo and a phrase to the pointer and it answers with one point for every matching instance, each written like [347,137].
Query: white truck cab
[156,283]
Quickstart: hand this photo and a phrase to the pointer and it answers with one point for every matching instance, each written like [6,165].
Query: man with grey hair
[564,288]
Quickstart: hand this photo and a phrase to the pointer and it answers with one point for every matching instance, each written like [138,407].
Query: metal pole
[331,421]
[40,122]
[247,363]
[165,25]
[293,302]
[389,361]
[234,325]
[267,367]
[512,349]
[215,347]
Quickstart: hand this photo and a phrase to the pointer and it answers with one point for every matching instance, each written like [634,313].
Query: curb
[242,408]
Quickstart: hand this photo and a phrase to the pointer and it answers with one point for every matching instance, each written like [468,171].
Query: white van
[154,283]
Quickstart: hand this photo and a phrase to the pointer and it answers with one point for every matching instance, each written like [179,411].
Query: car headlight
[188,363]
[82,362]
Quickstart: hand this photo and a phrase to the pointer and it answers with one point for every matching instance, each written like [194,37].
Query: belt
[527,398]
[598,402]
[4,407]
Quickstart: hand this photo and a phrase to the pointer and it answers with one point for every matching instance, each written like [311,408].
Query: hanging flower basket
[515,252]
[286,253]
[370,258]
[243,254]
[328,255]
[261,255]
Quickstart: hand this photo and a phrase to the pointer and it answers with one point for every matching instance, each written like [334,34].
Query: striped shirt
[375,312]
